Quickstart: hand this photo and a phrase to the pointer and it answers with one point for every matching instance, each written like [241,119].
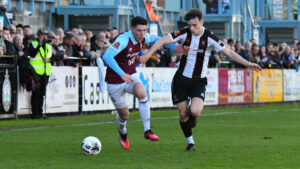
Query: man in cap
[40,52]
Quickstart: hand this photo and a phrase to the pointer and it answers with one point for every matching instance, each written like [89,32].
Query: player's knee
[196,111]
[141,95]
[124,113]
[183,118]
[124,116]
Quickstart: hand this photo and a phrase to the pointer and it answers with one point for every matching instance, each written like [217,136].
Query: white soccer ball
[91,145]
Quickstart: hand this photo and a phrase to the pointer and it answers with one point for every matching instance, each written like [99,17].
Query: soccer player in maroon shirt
[121,76]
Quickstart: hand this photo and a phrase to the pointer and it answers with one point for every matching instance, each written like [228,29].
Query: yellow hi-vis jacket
[38,63]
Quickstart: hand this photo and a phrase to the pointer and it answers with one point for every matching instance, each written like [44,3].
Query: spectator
[60,32]
[265,61]
[21,51]
[58,53]
[164,57]
[89,35]
[68,43]
[10,49]
[12,30]
[292,60]
[80,31]
[107,34]
[19,29]
[242,52]
[100,45]
[91,55]
[27,32]
[255,56]
[75,31]
[284,58]
[40,52]
[271,52]
[77,48]
[113,34]
[214,59]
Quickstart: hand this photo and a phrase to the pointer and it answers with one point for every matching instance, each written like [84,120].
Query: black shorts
[184,88]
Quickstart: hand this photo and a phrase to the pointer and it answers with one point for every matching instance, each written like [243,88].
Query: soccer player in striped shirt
[189,82]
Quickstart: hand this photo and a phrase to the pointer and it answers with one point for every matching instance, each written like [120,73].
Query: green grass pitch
[234,138]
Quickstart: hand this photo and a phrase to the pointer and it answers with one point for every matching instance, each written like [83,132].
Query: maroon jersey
[125,50]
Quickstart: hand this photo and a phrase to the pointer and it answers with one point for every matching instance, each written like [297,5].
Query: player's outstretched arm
[165,40]
[237,58]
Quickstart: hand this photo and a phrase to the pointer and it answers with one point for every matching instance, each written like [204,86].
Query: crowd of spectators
[76,47]
[270,56]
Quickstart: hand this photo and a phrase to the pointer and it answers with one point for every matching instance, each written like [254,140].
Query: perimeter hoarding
[291,83]
[212,88]
[62,90]
[92,98]
[157,82]
[267,86]
[235,86]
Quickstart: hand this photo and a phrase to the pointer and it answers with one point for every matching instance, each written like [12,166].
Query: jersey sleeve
[152,39]
[179,34]
[215,42]
[119,44]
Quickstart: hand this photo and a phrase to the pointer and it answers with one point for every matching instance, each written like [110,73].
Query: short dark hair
[138,21]
[193,13]
[27,26]
[19,26]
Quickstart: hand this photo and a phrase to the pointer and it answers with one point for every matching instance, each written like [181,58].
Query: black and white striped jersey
[194,65]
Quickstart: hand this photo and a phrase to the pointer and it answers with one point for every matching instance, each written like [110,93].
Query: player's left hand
[143,59]
[254,66]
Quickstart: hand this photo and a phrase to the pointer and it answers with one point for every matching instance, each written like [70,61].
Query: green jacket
[38,63]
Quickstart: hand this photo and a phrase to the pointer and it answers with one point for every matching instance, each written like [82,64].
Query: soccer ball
[91,145]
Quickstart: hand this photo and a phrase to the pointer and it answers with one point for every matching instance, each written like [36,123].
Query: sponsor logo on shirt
[116,45]
[177,33]
[197,50]
[220,43]
[203,43]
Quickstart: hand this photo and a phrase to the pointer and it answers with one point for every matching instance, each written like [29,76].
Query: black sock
[189,111]
[186,128]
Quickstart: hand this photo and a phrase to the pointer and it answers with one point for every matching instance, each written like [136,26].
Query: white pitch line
[138,120]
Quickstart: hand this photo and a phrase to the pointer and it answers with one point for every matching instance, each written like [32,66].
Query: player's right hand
[254,66]
[127,78]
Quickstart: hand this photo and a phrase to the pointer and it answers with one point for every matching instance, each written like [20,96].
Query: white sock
[144,109]
[190,140]
[121,124]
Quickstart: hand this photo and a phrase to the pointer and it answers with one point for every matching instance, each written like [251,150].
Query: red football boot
[150,135]
[124,141]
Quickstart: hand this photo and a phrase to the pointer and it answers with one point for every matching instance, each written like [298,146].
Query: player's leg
[185,124]
[194,110]
[122,117]
[137,89]
[197,93]
[144,109]
[180,91]
[117,96]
